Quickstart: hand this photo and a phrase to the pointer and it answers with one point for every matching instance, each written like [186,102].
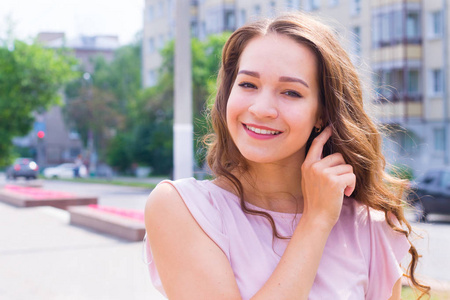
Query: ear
[319,123]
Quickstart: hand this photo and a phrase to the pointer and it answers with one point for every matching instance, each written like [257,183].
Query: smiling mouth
[262,131]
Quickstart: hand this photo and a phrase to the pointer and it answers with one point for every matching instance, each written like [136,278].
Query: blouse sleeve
[204,210]
[387,249]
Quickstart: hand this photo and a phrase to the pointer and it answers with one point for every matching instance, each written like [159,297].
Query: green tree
[30,80]
[100,104]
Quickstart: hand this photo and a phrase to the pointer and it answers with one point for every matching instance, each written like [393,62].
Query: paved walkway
[43,257]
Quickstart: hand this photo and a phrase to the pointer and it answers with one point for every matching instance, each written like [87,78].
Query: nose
[264,106]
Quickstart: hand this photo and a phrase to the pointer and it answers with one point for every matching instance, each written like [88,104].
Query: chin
[269,158]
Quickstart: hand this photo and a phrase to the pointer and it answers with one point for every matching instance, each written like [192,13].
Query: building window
[412,25]
[257,10]
[356,42]
[435,24]
[151,45]
[230,21]
[151,13]
[397,26]
[242,17]
[413,82]
[272,8]
[436,82]
[311,5]
[194,28]
[355,7]
[333,3]
[386,29]
[439,139]
[160,41]
[408,143]
[151,78]
[160,8]
[289,4]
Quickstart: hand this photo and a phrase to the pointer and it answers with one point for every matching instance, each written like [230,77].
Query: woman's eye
[292,94]
[247,85]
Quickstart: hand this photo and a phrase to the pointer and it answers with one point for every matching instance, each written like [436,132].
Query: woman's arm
[397,290]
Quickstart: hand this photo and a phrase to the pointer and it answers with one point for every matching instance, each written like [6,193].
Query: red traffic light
[41,134]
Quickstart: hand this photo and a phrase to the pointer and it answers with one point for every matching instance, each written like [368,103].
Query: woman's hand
[325,181]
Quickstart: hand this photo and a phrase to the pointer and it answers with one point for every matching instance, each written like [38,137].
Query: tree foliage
[30,80]
[99,102]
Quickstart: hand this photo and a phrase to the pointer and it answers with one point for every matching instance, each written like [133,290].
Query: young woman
[301,207]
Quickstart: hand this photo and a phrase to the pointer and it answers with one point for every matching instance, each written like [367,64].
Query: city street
[43,257]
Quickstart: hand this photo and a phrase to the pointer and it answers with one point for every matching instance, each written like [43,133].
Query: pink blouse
[360,260]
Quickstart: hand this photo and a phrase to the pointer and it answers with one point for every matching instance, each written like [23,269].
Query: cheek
[234,107]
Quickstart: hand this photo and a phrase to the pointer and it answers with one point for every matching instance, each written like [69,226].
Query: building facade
[400,48]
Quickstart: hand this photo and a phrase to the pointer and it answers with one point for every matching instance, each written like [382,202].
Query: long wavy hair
[355,135]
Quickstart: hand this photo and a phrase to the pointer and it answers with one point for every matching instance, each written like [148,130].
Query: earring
[317,129]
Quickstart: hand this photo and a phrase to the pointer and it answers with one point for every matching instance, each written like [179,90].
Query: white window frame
[150,13]
[151,45]
[356,43]
[355,7]
[439,139]
[434,31]
[436,82]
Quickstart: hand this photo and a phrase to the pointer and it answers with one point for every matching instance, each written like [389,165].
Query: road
[434,246]
[58,260]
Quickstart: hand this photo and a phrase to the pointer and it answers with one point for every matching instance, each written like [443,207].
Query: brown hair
[355,135]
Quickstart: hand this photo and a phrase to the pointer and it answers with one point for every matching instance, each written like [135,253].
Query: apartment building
[399,47]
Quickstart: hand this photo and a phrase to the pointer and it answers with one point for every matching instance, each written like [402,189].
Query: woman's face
[273,105]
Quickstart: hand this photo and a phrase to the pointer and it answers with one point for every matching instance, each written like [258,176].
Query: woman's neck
[271,186]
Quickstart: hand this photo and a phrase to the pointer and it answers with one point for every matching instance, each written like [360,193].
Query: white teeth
[262,131]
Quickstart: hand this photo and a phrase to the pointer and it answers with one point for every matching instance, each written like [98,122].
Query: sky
[74,17]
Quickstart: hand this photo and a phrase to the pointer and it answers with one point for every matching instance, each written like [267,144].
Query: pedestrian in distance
[300,206]
[78,165]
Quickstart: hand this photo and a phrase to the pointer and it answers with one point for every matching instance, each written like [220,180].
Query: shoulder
[372,230]
[173,203]
[163,204]
[362,215]
[168,193]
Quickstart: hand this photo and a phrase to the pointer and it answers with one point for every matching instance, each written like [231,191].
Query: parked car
[23,167]
[64,171]
[431,194]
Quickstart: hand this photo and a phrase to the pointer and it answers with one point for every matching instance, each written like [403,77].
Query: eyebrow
[282,78]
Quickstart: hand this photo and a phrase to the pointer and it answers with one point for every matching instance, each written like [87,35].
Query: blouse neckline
[235,198]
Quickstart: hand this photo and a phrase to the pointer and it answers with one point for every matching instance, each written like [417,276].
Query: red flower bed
[36,193]
[127,213]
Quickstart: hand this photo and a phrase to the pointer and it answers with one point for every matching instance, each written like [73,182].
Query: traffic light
[41,134]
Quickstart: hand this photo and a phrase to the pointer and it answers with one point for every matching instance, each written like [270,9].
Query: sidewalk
[43,257]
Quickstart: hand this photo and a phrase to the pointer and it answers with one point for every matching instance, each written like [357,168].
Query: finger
[315,152]
[349,180]
[332,160]
[340,170]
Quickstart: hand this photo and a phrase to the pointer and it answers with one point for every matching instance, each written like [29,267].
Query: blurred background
[110,88]
[88,87]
